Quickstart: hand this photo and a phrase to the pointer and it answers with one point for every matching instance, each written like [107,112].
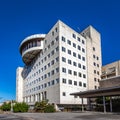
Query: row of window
[75,73]
[70,82]
[79,48]
[49,74]
[50,83]
[74,63]
[69,42]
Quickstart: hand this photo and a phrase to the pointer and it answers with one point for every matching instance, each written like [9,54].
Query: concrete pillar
[89,104]
[104,104]
[110,104]
[82,105]
[36,97]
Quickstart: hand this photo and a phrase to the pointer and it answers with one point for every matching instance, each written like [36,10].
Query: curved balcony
[31,46]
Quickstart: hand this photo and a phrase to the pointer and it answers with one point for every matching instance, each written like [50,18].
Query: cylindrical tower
[31,46]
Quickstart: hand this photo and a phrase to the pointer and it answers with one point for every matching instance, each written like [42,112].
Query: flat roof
[111,91]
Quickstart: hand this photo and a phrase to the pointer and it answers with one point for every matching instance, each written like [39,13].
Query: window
[69,71]
[83,42]
[48,46]
[48,55]
[79,65]
[94,71]
[69,52]
[57,38]
[48,83]
[64,94]
[78,39]
[63,59]
[79,56]
[52,43]
[74,54]
[74,63]
[49,74]
[95,79]
[94,64]
[93,56]
[83,50]
[63,39]
[84,76]
[56,29]
[84,67]
[64,70]
[97,58]
[97,65]
[45,67]
[57,69]
[69,42]
[57,49]
[57,59]
[83,58]
[45,85]
[79,74]
[52,62]
[69,62]
[63,49]
[80,83]
[95,87]
[74,36]
[70,82]
[48,64]
[53,33]
[84,84]
[79,48]
[63,80]
[57,80]
[74,45]
[52,72]
[52,53]
[75,73]
[93,48]
[98,72]
[75,82]
[53,82]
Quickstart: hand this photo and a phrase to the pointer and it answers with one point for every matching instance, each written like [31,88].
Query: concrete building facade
[111,70]
[59,63]
[94,61]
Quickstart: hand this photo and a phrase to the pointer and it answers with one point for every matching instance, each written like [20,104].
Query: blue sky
[21,18]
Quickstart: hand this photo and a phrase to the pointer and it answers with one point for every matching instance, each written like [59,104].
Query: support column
[89,104]
[110,104]
[82,105]
[104,104]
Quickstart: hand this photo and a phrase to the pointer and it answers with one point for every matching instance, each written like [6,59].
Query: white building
[55,66]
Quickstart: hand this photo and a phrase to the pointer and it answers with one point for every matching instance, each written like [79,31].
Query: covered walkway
[103,92]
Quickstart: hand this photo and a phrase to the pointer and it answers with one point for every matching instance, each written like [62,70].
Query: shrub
[6,106]
[20,107]
[49,108]
[43,106]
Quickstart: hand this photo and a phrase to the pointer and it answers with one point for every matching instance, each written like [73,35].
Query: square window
[63,39]
[69,52]
[64,94]
[70,82]
[63,80]
[63,59]
[69,42]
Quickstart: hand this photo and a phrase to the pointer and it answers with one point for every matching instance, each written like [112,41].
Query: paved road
[70,116]
[12,117]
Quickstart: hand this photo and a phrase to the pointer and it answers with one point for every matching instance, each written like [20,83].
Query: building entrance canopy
[111,91]
[103,92]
